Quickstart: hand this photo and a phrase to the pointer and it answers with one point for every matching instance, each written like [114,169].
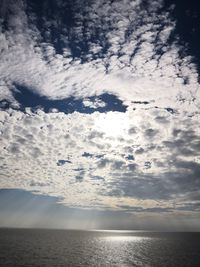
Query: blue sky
[99,113]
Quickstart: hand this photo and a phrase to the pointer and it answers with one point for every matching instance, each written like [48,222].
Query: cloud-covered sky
[100,106]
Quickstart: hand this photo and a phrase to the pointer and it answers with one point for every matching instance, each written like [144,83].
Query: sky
[100,114]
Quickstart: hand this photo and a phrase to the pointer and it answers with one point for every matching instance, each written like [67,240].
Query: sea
[46,248]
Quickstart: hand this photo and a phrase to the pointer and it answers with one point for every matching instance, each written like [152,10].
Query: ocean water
[33,247]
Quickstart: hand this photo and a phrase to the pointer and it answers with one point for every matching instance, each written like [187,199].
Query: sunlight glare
[124,238]
[113,124]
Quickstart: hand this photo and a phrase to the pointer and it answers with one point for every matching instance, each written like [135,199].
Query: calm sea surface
[20,247]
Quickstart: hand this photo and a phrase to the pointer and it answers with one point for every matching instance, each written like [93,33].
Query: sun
[113,124]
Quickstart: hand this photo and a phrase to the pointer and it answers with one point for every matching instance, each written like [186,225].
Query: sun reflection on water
[125,238]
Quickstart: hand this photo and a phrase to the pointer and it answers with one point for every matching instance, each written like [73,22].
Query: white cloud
[32,144]
[122,59]
[131,67]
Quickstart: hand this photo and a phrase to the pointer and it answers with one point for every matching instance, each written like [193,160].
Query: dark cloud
[151,133]
[131,167]
[171,185]
[132,130]
[141,209]
[79,178]
[98,178]
[161,119]
[40,184]
[142,188]
[185,142]
[102,163]
[139,150]
[189,207]
[117,164]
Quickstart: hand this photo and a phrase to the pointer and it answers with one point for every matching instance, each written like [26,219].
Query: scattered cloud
[49,152]
[98,108]
[121,51]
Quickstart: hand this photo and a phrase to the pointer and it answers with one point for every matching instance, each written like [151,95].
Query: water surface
[31,247]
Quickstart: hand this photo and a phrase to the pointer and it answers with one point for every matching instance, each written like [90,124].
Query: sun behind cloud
[113,124]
